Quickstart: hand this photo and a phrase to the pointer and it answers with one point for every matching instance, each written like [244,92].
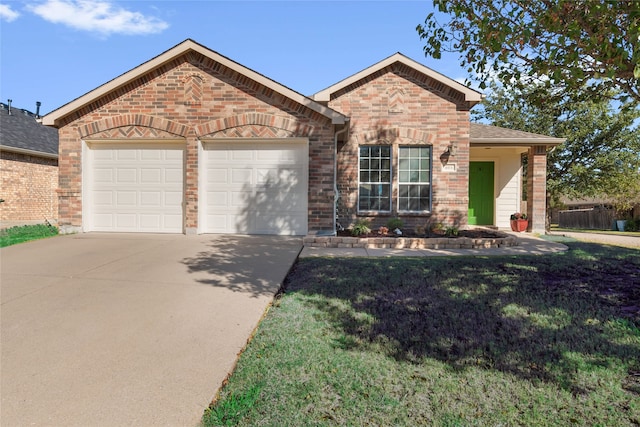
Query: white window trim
[398,183]
[376,212]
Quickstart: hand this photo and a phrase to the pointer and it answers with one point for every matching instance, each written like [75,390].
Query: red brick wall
[537,188]
[28,187]
[399,106]
[189,98]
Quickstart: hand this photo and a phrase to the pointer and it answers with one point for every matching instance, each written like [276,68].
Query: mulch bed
[473,234]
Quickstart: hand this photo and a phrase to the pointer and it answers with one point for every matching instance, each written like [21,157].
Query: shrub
[362,226]
[632,225]
[394,223]
[451,231]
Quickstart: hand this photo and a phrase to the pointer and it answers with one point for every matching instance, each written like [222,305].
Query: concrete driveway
[129,329]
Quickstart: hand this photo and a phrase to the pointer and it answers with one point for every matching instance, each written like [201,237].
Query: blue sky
[54,51]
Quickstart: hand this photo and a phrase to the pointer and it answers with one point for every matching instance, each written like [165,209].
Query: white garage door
[135,188]
[255,187]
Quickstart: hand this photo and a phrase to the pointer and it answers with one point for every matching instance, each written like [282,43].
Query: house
[193,142]
[28,168]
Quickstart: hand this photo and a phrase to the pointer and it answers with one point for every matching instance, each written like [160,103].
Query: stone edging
[409,242]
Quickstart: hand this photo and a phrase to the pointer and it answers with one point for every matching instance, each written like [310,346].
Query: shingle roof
[484,134]
[22,132]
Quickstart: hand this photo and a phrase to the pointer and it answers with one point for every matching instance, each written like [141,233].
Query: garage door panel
[137,189]
[150,221]
[217,176]
[126,176]
[173,199]
[173,176]
[103,175]
[151,176]
[126,198]
[125,154]
[151,155]
[241,176]
[126,221]
[255,188]
[150,199]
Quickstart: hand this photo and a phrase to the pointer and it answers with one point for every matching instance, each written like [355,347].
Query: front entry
[481,198]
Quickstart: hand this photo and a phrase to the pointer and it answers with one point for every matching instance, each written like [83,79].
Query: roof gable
[54,117]
[22,133]
[470,96]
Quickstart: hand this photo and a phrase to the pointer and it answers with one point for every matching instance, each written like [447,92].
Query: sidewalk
[609,239]
[527,245]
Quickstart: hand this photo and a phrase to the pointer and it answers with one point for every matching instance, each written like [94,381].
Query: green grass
[460,341]
[25,233]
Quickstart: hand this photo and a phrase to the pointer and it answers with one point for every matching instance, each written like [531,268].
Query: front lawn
[25,233]
[461,341]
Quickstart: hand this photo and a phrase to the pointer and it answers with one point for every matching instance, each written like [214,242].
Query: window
[374,191]
[414,179]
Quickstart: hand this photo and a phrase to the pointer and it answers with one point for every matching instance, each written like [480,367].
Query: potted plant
[519,222]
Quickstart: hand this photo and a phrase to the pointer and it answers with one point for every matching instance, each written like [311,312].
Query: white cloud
[7,14]
[98,16]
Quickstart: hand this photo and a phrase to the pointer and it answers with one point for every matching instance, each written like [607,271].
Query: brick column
[191,186]
[537,188]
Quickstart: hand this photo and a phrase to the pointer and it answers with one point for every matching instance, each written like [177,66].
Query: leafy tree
[588,46]
[600,156]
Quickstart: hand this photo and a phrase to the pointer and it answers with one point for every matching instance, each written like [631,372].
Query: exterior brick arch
[136,121]
[254,124]
[392,135]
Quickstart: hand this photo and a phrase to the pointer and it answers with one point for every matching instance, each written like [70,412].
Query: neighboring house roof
[20,132]
[484,135]
[53,118]
[471,96]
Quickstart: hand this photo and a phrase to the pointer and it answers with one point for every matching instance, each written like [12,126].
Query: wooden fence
[591,219]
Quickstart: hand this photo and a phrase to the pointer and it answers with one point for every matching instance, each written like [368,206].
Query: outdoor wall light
[452,149]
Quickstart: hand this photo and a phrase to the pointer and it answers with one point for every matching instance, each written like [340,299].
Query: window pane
[375,178]
[414,168]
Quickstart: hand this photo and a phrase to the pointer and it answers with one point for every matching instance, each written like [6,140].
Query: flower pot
[519,225]
[621,223]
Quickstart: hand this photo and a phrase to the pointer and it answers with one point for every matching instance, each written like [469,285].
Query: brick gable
[188,98]
[399,106]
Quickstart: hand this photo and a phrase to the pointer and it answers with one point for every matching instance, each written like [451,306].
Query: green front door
[481,193]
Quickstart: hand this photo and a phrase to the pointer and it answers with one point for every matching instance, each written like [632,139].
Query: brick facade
[399,106]
[537,188]
[28,187]
[189,98]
